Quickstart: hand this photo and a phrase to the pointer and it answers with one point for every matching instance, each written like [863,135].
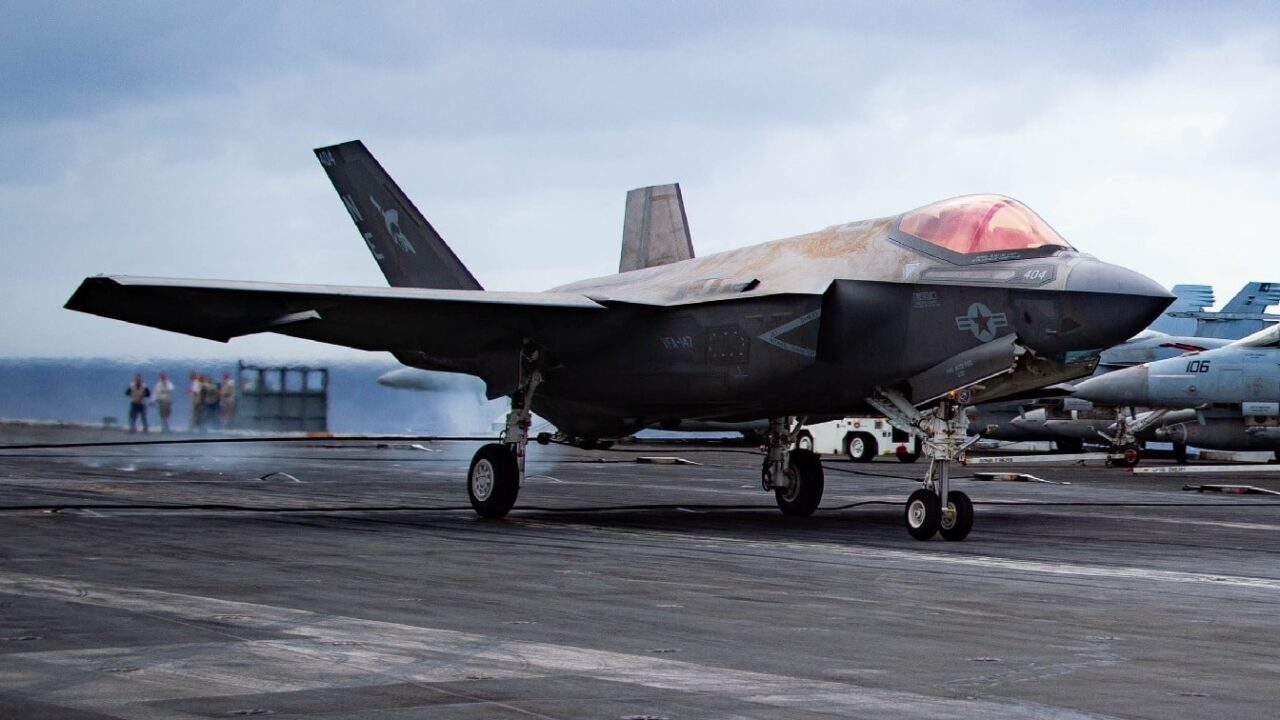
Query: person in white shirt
[164,401]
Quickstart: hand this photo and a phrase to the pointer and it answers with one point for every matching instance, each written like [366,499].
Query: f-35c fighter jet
[913,315]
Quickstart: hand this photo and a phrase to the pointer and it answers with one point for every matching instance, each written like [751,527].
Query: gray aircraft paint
[1062,419]
[1187,298]
[1244,314]
[1221,383]
[655,228]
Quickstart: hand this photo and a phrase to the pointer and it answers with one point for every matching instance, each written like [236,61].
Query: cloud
[152,138]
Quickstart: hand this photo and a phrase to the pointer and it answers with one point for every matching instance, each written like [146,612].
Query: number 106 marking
[1198,366]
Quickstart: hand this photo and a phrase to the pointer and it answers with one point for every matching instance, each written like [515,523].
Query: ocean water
[88,390]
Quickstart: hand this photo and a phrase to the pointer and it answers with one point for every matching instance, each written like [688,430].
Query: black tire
[923,514]
[1127,456]
[1180,453]
[590,443]
[961,522]
[493,480]
[1069,446]
[908,457]
[860,447]
[804,441]
[807,483]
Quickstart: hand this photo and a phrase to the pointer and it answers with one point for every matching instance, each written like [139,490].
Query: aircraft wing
[443,329]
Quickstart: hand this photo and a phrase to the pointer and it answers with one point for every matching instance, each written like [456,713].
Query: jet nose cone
[1111,304]
[1122,387]
[1096,276]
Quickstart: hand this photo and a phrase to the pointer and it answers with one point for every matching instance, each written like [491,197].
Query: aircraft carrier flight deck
[351,579]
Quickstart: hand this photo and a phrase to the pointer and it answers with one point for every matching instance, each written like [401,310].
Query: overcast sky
[174,139]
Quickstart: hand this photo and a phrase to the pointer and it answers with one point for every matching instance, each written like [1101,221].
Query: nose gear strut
[1123,442]
[943,428]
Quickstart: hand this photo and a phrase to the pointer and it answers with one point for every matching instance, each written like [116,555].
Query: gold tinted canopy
[980,224]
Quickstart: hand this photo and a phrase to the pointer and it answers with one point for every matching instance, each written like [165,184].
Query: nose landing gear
[1125,450]
[943,428]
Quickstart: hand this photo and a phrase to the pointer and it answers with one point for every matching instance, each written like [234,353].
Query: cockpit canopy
[1266,337]
[978,228]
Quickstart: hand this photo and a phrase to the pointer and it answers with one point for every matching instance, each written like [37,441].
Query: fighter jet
[1070,421]
[1243,314]
[914,314]
[1232,393]
[1186,326]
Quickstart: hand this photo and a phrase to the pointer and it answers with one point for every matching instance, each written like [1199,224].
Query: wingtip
[81,299]
[338,146]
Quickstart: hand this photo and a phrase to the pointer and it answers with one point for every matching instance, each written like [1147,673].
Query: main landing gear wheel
[861,447]
[801,497]
[494,480]
[957,517]
[924,514]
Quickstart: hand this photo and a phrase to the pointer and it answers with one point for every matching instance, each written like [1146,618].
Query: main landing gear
[794,476]
[944,429]
[497,469]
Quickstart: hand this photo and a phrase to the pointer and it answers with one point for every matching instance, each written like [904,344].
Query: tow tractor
[862,439]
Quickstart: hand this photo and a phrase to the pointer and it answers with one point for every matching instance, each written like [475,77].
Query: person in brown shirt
[138,393]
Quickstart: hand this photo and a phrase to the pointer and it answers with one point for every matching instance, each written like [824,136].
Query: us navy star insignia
[980,321]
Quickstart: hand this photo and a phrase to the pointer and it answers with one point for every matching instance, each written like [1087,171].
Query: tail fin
[1254,297]
[410,252]
[655,230]
[1188,298]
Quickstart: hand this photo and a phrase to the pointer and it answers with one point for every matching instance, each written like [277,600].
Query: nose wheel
[924,514]
[957,517]
[926,517]
[943,428]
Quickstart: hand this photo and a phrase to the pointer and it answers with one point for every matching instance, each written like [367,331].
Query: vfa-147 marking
[911,315]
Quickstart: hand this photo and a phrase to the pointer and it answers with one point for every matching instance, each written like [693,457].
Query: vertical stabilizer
[410,252]
[1254,297]
[655,230]
[1244,314]
[1188,298]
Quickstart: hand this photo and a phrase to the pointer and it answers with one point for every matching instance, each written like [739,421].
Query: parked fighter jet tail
[1188,298]
[410,252]
[1254,297]
[655,230]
